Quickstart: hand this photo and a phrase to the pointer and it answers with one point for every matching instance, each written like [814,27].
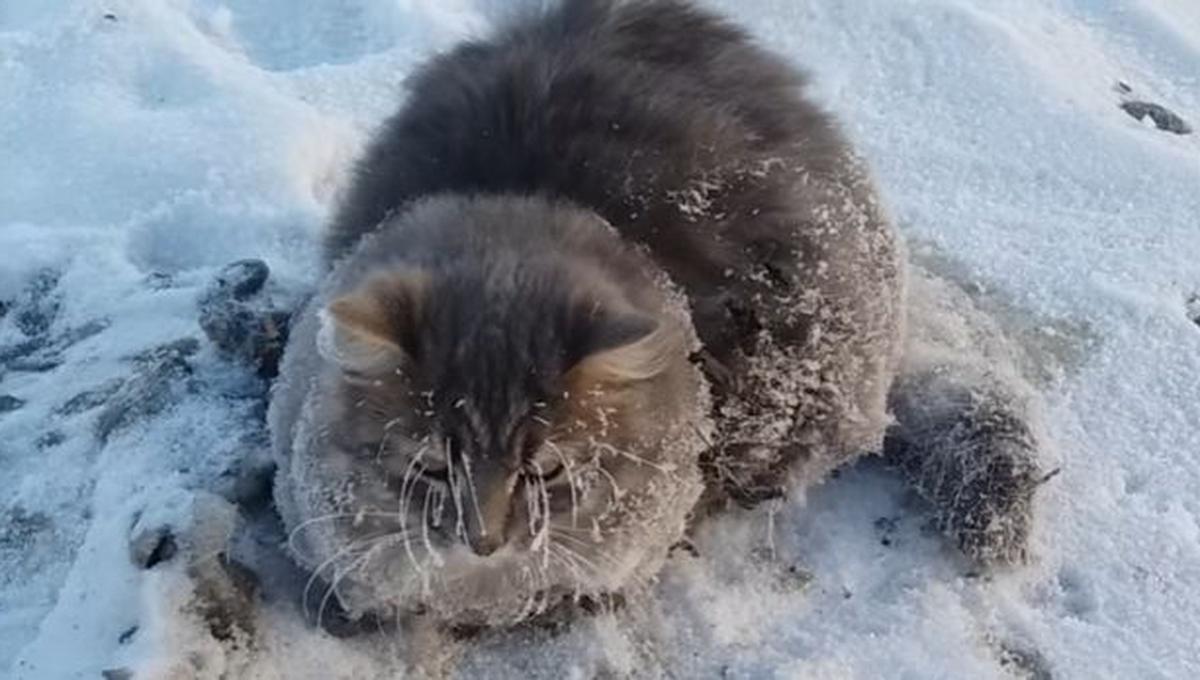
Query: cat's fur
[480,305]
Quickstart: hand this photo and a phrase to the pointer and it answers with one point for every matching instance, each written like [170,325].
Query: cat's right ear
[373,329]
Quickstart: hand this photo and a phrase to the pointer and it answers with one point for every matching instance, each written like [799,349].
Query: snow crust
[146,143]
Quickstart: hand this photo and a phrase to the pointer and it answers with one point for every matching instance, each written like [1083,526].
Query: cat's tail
[967,431]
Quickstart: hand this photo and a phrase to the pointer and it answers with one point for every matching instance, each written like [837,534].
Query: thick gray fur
[699,150]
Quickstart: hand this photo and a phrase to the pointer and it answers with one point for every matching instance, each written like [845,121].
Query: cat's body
[505,268]
[689,140]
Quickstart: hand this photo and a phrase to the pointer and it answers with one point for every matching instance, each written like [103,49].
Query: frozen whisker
[406,488]
[387,432]
[663,468]
[433,554]
[595,554]
[618,494]
[355,516]
[466,460]
[316,573]
[456,491]
[568,470]
[331,589]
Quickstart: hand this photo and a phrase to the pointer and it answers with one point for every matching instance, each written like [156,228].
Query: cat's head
[524,407]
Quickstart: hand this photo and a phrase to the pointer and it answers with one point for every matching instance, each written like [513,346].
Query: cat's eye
[439,475]
[434,468]
[547,465]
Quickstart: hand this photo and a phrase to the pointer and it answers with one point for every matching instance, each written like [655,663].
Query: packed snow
[145,144]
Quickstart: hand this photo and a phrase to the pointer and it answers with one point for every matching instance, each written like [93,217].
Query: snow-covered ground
[146,143]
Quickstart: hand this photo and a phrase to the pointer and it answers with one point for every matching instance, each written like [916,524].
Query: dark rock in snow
[127,635]
[50,439]
[151,388]
[1163,118]
[176,350]
[10,403]
[90,399]
[152,547]
[1024,662]
[40,354]
[159,281]
[243,278]
[240,320]
[39,305]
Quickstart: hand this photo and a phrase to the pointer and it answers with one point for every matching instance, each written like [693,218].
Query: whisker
[474,493]
[387,431]
[662,468]
[437,558]
[406,487]
[456,495]
[567,468]
[330,517]
[617,492]
[598,554]
[322,566]
[373,544]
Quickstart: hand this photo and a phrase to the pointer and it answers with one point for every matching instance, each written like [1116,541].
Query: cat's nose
[485,545]
[486,515]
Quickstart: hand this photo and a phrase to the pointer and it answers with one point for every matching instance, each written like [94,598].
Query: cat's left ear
[374,328]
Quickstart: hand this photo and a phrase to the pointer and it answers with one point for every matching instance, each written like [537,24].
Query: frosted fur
[761,233]
[968,435]
[344,520]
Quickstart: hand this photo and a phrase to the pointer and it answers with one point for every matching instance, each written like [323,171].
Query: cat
[602,274]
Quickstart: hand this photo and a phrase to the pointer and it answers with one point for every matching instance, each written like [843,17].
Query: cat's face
[514,416]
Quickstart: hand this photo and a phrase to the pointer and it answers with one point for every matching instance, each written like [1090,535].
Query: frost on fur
[967,433]
[971,451]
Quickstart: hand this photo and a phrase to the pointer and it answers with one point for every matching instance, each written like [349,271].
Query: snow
[141,137]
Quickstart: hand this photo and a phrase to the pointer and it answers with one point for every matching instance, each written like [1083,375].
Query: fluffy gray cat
[602,274]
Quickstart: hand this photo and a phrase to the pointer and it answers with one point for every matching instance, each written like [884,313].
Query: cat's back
[619,107]
[694,143]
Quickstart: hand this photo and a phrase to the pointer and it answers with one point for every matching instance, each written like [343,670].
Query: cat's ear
[373,329]
[626,348]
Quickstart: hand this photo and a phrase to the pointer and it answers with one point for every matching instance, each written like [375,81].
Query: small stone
[40,354]
[10,403]
[175,350]
[1163,118]
[50,439]
[150,390]
[152,547]
[159,281]
[127,635]
[243,278]
[39,304]
[1024,662]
